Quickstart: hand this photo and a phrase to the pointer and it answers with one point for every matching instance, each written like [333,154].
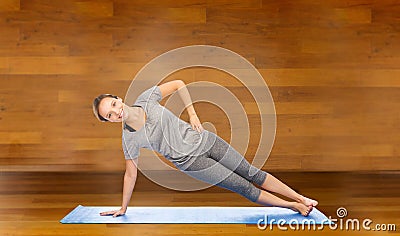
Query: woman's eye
[113,104]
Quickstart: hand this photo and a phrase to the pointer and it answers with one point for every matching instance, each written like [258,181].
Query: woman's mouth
[121,114]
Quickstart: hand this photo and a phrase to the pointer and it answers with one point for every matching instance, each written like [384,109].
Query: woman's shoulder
[150,95]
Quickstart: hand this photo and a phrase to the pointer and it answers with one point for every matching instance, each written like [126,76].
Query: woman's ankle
[299,198]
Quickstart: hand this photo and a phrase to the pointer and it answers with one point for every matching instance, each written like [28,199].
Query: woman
[193,150]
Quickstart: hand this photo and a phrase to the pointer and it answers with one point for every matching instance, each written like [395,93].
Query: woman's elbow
[180,83]
[130,175]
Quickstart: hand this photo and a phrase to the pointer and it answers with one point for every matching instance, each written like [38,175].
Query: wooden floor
[33,203]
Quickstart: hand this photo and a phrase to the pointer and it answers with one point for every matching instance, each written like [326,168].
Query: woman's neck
[136,117]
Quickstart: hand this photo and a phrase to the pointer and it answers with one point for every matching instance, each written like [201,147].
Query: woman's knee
[254,194]
[242,187]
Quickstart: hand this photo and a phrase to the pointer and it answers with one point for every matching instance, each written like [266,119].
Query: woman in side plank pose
[192,149]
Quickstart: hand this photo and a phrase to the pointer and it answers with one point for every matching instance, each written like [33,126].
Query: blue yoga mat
[192,215]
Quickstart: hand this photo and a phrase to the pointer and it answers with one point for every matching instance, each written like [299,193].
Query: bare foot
[308,201]
[301,208]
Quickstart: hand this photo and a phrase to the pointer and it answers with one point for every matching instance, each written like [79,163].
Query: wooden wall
[333,68]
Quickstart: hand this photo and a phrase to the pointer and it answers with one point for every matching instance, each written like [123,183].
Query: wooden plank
[331,77]
[348,150]
[386,13]
[97,9]
[20,137]
[195,3]
[291,108]
[46,65]
[325,126]
[9,35]
[227,4]
[20,50]
[350,164]
[307,77]
[318,46]
[67,95]
[96,143]
[4,65]
[126,40]
[353,15]
[70,9]
[168,15]
[9,5]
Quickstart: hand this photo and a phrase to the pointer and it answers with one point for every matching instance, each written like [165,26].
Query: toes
[307,212]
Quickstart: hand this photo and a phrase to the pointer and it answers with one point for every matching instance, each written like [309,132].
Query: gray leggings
[223,166]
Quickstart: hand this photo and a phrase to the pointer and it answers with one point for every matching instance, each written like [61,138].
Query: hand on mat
[195,122]
[119,212]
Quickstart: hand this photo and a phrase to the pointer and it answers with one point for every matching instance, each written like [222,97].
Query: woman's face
[112,109]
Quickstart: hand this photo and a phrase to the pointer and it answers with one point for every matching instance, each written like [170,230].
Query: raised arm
[129,184]
[180,86]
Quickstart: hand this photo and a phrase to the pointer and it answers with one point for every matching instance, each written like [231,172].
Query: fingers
[198,127]
[194,127]
[113,213]
[119,213]
[201,128]
[107,213]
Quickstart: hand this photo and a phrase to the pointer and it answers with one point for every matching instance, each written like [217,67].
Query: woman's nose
[115,110]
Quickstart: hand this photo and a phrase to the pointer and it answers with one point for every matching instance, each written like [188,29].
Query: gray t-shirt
[163,132]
